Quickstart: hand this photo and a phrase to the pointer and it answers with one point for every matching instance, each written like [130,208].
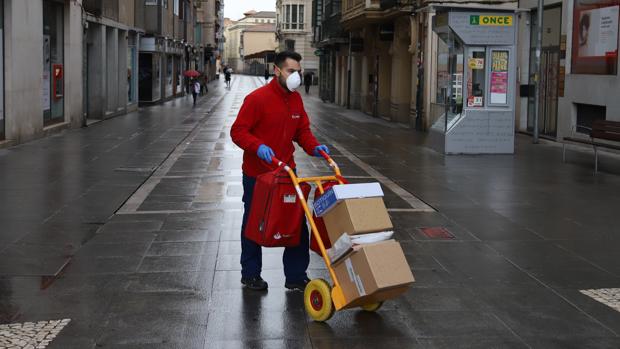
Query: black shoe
[255,283]
[297,286]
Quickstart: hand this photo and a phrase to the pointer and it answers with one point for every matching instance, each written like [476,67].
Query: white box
[340,192]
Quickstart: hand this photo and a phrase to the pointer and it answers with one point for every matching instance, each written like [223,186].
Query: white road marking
[415,203]
[31,335]
[608,296]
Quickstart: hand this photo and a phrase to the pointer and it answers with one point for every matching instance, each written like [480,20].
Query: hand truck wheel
[372,306]
[318,300]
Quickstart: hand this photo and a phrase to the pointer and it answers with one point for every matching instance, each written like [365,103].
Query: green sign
[318,52]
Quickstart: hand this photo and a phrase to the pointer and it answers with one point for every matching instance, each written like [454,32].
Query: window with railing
[293,17]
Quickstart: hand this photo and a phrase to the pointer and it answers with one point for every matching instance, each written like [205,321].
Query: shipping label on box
[373,272]
[341,192]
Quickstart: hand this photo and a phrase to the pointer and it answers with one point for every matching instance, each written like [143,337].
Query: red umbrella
[191,73]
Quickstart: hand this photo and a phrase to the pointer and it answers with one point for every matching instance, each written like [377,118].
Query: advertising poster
[499,77]
[595,37]
[598,32]
[476,63]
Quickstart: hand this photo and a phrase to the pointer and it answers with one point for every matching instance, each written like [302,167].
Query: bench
[608,131]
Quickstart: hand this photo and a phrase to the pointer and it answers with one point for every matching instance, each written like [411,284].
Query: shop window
[290,45]
[499,77]
[587,114]
[169,75]
[476,71]
[450,68]
[52,88]
[595,37]
[177,64]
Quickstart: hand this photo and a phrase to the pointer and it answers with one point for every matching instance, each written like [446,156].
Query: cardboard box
[373,273]
[340,192]
[357,216]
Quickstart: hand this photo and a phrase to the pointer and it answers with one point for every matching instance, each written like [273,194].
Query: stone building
[209,33]
[294,31]
[233,57]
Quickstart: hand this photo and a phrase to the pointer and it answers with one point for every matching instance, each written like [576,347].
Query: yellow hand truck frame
[321,300]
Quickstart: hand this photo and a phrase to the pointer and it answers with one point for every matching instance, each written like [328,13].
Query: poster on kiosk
[474,107]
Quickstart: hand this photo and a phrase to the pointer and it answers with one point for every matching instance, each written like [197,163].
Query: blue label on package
[325,202]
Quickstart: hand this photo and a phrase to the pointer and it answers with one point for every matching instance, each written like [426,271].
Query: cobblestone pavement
[160,268]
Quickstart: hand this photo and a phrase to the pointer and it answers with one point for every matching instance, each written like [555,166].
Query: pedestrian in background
[195,90]
[308,81]
[227,76]
[266,76]
[269,121]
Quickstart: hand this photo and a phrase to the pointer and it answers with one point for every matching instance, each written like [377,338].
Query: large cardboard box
[340,192]
[373,273]
[357,216]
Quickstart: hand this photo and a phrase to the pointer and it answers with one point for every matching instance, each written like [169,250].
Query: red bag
[276,214]
[318,221]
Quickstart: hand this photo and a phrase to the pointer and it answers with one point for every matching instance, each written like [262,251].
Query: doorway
[550,68]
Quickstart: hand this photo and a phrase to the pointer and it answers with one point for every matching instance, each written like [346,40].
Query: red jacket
[275,117]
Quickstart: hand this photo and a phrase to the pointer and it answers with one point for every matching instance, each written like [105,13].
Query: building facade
[294,31]
[257,47]
[374,72]
[39,95]
[110,58]
[209,33]
[167,48]
[579,67]
[233,56]
[329,38]
[379,57]
[88,60]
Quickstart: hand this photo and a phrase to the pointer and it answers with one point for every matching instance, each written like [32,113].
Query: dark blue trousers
[295,259]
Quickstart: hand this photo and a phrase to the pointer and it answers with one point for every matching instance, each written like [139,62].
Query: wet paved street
[130,229]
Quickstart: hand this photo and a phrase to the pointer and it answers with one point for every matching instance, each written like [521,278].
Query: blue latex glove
[265,153]
[320,147]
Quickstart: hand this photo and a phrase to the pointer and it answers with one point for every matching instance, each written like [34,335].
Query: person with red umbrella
[195,87]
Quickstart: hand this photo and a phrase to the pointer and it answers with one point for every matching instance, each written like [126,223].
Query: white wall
[23,69]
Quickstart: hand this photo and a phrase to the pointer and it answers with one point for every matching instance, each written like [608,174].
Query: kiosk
[476,81]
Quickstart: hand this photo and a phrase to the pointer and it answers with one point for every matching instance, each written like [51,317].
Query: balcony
[357,13]
[94,7]
[101,8]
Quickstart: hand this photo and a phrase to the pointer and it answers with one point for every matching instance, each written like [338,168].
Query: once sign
[502,21]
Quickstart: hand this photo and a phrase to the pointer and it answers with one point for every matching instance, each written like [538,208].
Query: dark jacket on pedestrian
[275,117]
[308,79]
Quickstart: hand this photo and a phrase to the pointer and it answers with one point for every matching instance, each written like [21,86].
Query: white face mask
[293,81]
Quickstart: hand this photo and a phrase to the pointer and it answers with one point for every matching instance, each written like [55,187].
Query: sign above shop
[505,21]
[479,28]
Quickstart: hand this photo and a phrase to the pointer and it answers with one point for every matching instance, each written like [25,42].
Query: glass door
[52,97]
[550,68]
